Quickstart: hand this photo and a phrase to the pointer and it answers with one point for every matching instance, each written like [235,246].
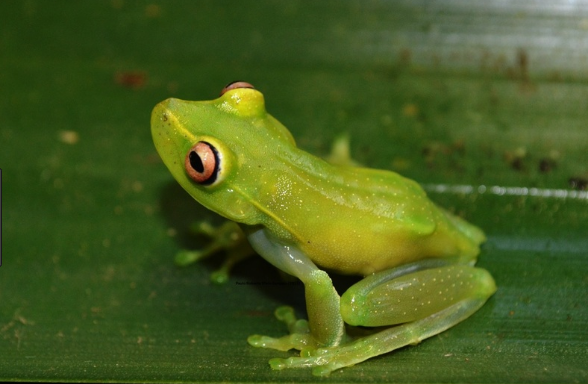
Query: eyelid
[236,85]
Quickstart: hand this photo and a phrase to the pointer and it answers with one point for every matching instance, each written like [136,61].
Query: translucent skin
[303,214]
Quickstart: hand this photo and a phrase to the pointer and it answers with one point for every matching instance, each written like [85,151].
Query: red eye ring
[236,85]
[202,163]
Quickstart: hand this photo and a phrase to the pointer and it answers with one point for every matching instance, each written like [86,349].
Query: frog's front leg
[325,326]
[227,237]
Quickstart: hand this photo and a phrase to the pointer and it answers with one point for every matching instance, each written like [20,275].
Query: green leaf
[447,93]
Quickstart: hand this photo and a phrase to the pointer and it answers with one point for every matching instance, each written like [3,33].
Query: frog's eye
[236,85]
[202,163]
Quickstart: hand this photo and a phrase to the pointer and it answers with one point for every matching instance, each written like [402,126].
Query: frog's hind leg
[382,342]
[472,232]
[426,298]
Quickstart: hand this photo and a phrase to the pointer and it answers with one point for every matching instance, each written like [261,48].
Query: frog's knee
[485,283]
[351,309]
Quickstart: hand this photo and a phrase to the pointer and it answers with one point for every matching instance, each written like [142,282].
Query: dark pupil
[196,162]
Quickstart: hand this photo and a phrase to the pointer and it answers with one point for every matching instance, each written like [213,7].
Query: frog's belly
[351,251]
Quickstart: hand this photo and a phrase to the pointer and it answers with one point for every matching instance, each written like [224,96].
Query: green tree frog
[307,216]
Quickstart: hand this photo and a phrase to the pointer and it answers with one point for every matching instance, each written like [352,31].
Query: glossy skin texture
[303,215]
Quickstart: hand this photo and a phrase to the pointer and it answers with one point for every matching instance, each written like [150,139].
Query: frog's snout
[166,132]
[160,112]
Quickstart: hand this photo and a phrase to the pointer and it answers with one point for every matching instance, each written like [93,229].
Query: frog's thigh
[390,297]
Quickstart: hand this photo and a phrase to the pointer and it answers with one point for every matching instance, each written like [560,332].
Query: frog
[311,219]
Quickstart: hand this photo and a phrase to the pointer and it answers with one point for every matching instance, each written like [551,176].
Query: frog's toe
[325,370]
[291,362]
[185,257]
[293,341]
[299,337]
[286,315]
[260,341]
[322,361]
[220,276]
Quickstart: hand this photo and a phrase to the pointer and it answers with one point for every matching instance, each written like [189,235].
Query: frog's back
[360,220]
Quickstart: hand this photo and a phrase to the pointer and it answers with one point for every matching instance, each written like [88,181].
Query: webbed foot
[322,360]
[299,337]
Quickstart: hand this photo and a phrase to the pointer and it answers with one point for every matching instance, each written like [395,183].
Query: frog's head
[216,149]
